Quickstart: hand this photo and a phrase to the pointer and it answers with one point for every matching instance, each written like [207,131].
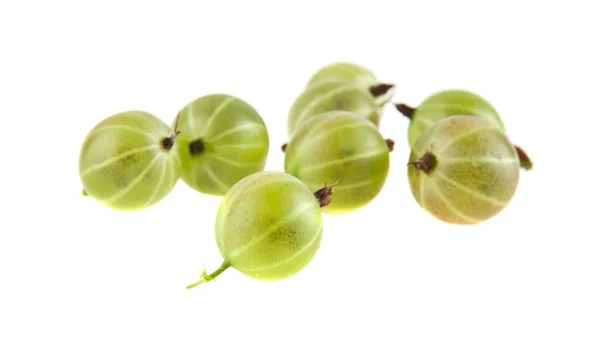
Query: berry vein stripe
[360,156]
[320,99]
[147,120]
[215,113]
[266,182]
[117,158]
[318,136]
[229,161]
[121,127]
[243,145]
[135,181]
[190,119]
[273,228]
[447,202]
[159,184]
[490,159]
[235,130]
[468,190]
[290,258]
[462,136]
[215,178]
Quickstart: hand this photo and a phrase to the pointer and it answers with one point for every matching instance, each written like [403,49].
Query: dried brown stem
[380,89]
[283,147]
[323,195]
[405,110]
[390,143]
[426,163]
[524,159]
[168,142]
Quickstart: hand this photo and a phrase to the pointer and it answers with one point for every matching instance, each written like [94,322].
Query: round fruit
[448,103]
[223,139]
[463,170]
[129,161]
[341,147]
[268,226]
[330,96]
[352,72]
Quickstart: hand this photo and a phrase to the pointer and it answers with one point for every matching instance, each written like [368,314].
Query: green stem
[84,193]
[205,278]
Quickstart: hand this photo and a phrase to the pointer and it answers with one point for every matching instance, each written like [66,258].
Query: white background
[80,281]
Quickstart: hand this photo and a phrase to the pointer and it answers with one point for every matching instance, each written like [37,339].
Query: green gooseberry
[129,161]
[463,170]
[453,102]
[340,147]
[223,139]
[332,95]
[269,227]
[353,72]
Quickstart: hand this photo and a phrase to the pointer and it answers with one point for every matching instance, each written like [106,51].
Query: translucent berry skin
[344,71]
[463,170]
[223,139]
[342,147]
[269,226]
[351,72]
[450,103]
[330,96]
[124,164]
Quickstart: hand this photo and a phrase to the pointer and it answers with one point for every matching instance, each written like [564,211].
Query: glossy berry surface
[350,72]
[129,161]
[330,96]
[463,170]
[450,103]
[223,139]
[269,227]
[344,148]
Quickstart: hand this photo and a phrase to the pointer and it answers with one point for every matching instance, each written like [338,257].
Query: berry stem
[283,147]
[380,89]
[405,110]
[524,159]
[426,163]
[205,278]
[168,142]
[390,143]
[323,195]
[84,193]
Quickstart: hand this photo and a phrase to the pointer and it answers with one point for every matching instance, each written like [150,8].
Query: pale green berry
[269,226]
[463,170]
[353,72]
[448,103]
[223,139]
[331,96]
[129,161]
[344,148]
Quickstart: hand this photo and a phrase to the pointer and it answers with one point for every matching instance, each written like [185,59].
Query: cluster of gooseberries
[462,169]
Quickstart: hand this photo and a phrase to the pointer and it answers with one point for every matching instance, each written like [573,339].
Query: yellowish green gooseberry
[129,161]
[353,72]
[223,139]
[463,170]
[446,103]
[333,95]
[340,147]
[269,227]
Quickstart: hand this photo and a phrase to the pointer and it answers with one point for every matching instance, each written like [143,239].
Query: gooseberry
[268,226]
[353,72]
[452,102]
[223,139]
[342,147]
[129,161]
[332,95]
[463,170]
